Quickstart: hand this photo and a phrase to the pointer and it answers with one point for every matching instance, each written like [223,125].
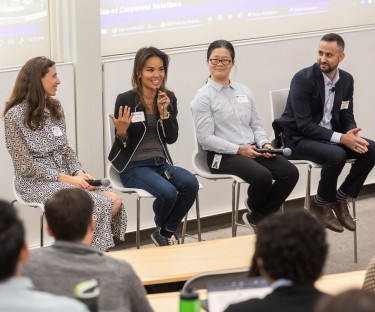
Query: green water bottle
[88,292]
[189,301]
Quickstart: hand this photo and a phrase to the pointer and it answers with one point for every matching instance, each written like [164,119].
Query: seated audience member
[44,162]
[290,252]
[71,260]
[369,283]
[318,125]
[17,294]
[354,300]
[229,129]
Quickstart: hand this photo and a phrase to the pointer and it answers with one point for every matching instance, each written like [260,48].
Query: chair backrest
[199,281]
[278,102]
[199,158]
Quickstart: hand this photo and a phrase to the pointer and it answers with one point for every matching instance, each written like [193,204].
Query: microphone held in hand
[102,182]
[282,151]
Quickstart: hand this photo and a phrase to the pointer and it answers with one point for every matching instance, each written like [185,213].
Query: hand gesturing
[123,122]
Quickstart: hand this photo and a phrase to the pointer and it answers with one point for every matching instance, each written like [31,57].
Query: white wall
[65,94]
[262,65]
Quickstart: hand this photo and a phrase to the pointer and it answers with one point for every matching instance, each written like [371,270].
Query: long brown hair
[28,87]
[141,57]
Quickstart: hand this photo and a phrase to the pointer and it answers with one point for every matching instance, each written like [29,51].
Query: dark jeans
[264,197]
[174,198]
[333,158]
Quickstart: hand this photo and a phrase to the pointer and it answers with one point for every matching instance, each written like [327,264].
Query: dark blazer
[283,299]
[305,104]
[122,151]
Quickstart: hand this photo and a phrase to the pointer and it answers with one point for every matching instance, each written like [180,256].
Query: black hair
[335,37]
[221,44]
[12,238]
[69,213]
[292,245]
[352,300]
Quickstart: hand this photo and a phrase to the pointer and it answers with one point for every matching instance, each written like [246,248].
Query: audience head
[330,52]
[220,59]
[36,82]
[291,245]
[13,249]
[150,71]
[354,300]
[69,215]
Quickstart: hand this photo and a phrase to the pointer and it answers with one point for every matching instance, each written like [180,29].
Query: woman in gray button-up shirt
[228,127]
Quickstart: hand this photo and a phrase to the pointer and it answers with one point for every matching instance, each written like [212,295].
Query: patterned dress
[40,156]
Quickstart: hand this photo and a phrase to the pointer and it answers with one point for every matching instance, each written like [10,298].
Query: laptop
[223,293]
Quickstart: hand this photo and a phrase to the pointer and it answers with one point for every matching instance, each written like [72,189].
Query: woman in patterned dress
[44,163]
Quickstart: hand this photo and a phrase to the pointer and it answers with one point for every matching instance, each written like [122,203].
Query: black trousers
[333,158]
[264,197]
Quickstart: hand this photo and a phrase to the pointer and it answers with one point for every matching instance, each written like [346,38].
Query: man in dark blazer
[318,125]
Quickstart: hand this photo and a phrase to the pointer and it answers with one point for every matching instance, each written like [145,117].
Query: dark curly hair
[12,237]
[292,245]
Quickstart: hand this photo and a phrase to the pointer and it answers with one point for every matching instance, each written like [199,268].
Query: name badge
[138,117]
[216,162]
[242,98]
[56,131]
[344,105]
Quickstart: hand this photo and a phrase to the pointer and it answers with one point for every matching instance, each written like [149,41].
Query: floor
[341,251]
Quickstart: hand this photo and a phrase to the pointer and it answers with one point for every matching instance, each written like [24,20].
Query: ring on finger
[356,147]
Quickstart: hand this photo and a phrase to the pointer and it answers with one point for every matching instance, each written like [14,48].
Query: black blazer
[305,104]
[122,151]
[283,299]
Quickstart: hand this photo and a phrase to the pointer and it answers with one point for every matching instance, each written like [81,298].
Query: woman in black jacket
[146,121]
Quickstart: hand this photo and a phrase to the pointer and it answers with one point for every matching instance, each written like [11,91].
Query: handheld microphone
[282,151]
[102,182]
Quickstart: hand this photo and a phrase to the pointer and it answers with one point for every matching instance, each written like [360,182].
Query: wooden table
[179,263]
[330,284]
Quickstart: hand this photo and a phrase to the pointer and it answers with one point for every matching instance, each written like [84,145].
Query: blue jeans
[174,198]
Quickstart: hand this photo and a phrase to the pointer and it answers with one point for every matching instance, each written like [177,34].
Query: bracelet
[165,117]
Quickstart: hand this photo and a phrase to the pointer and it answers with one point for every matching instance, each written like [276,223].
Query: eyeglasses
[217,61]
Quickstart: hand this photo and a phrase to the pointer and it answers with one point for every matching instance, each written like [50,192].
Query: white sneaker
[249,224]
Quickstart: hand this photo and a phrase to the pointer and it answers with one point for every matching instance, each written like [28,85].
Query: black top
[167,129]
[305,106]
[283,299]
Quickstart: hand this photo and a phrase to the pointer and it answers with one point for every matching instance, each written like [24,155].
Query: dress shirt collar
[217,86]
[75,248]
[328,81]
[17,283]
[281,282]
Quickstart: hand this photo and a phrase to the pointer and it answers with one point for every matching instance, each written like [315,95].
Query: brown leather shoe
[325,216]
[342,213]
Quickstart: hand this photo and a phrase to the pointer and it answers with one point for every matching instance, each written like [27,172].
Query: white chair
[278,104]
[18,198]
[116,184]
[199,161]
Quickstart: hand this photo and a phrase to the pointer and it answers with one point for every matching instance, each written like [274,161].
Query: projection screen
[127,25]
[24,31]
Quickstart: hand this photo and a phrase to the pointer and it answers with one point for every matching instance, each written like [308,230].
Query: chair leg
[41,229]
[237,205]
[198,219]
[184,229]
[355,219]
[308,189]
[233,206]
[138,234]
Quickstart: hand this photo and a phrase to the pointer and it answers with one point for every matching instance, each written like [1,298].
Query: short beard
[329,69]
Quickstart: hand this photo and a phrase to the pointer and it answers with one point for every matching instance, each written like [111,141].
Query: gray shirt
[59,268]
[225,118]
[150,145]
[17,294]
